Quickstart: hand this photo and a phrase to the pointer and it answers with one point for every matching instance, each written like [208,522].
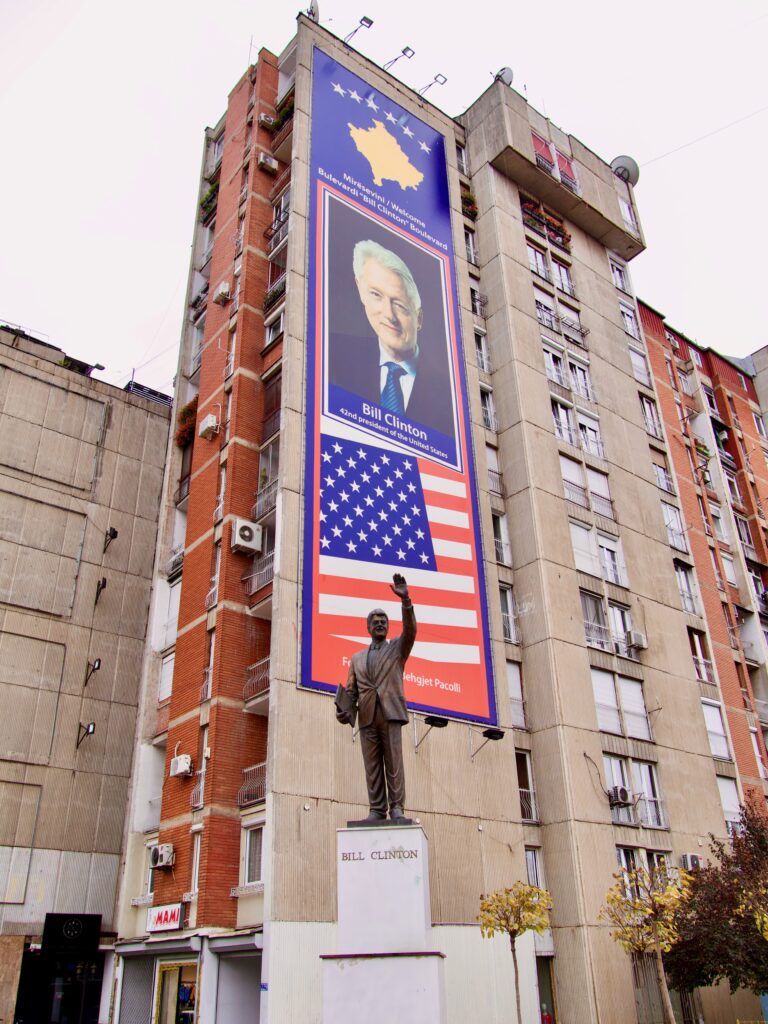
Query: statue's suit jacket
[379,673]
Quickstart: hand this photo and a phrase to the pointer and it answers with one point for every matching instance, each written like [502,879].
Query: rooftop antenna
[406,51]
[365,22]
[504,75]
[437,80]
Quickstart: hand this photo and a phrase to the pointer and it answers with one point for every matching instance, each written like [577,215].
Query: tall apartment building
[564,759]
[81,471]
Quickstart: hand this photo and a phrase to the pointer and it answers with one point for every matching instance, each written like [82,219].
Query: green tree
[722,926]
[642,909]
[522,908]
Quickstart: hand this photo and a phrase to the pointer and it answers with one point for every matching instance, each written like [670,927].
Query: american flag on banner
[379,512]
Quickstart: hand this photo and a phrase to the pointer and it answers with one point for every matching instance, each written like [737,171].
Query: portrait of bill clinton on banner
[389,367]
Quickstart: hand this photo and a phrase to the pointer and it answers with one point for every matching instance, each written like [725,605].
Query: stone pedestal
[385,968]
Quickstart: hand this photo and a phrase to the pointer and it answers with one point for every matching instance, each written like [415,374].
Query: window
[640,367]
[695,356]
[508,615]
[515,690]
[619,275]
[761,770]
[584,552]
[528,808]
[217,148]
[759,424]
[617,776]
[218,509]
[729,569]
[628,216]
[545,310]
[581,380]
[481,351]
[477,301]
[278,230]
[561,415]
[700,654]
[197,842]
[589,432]
[709,395]
[733,488]
[661,472]
[488,409]
[172,616]
[273,390]
[596,632]
[461,159]
[620,621]
[651,417]
[742,528]
[671,372]
[570,321]
[634,712]
[273,330]
[606,703]
[495,480]
[501,538]
[537,261]
[629,321]
[716,569]
[573,481]
[717,522]
[533,869]
[713,718]
[269,465]
[599,493]
[562,275]
[729,798]
[554,361]
[686,588]
[229,366]
[471,247]
[730,625]
[278,265]
[645,784]
[611,560]
[165,687]
[150,871]
[685,383]
[567,173]
[742,380]
[674,524]
[253,849]
[620,708]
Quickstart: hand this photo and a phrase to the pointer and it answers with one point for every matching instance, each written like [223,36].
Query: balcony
[175,560]
[704,669]
[495,482]
[528,809]
[212,596]
[576,493]
[502,551]
[676,539]
[602,506]
[277,232]
[598,635]
[490,421]
[547,317]
[270,425]
[205,689]
[254,787]
[509,627]
[275,292]
[263,572]
[727,459]
[198,791]
[256,680]
[574,330]
[651,812]
[266,499]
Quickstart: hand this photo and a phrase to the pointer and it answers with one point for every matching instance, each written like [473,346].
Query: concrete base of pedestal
[382,988]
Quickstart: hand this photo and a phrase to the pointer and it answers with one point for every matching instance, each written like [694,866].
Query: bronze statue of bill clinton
[374,692]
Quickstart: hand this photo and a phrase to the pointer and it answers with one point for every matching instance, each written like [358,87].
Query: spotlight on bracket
[406,52]
[109,536]
[490,734]
[101,585]
[432,722]
[93,666]
[85,729]
[437,80]
[364,23]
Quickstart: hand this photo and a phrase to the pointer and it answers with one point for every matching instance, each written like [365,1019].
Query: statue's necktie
[391,394]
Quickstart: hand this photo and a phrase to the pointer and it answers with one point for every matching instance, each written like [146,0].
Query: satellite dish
[313,11]
[505,76]
[626,168]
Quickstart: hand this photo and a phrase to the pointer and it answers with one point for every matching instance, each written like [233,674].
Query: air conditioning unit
[637,640]
[266,120]
[691,862]
[267,163]
[619,796]
[209,426]
[706,477]
[246,536]
[222,293]
[162,856]
[181,765]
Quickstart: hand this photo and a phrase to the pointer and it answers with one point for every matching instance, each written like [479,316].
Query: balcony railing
[676,539]
[502,551]
[205,689]
[509,626]
[198,791]
[576,493]
[182,491]
[270,425]
[518,713]
[704,669]
[651,812]
[598,635]
[584,388]
[593,445]
[479,304]
[495,482]
[566,433]
[263,572]
[573,329]
[614,572]
[489,418]
[254,787]
[528,809]
[266,499]
[547,317]
[175,560]
[602,506]
[558,375]
[256,679]
[623,814]
[212,596]
[623,648]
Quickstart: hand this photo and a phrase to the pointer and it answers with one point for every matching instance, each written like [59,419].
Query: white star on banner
[407,131]
[355,96]
[425,147]
[390,117]
[371,104]
[337,88]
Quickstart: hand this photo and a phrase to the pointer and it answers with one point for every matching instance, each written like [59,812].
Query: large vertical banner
[389,479]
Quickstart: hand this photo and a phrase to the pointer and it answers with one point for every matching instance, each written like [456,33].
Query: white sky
[102,110]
